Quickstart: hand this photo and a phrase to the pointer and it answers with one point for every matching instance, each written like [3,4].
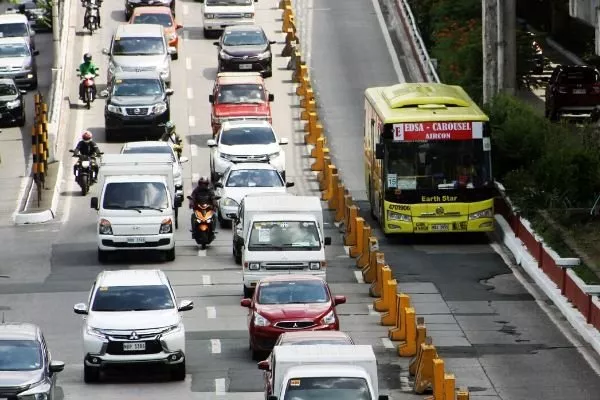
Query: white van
[136,205]
[17,25]
[281,234]
[219,14]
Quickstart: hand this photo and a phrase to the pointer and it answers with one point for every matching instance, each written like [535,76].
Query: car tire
[170,254]
[256,355]
[248,292]
[207,33]
[34,85]
[102,256]
[108,134]
[22,120]
[127,16]
[178,372]
[91,374]
[223,223]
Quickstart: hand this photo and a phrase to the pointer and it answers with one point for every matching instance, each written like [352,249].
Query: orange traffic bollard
[350,236]
[383,275]
[288,14]
[438,380]
[387,292]
[399,331]
[330,194]
[317,151]
[424,374]
[332,203]
[322,176]
[357,248]
[301,73]
[370,274]
[319,163]
[363,260]
[391,316]
[409,347]
[285,3]
[462,394]
[327,190]
[290,41]
[340,204]
[303,86]
[412,367]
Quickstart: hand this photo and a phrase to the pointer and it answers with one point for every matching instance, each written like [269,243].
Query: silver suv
[17,61]
[140,47]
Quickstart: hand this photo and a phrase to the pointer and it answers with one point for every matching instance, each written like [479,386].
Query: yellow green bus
[428,160]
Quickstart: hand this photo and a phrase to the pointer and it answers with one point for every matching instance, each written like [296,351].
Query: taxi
[159,16]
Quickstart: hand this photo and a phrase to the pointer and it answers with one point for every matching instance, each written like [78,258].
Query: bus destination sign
[418,131]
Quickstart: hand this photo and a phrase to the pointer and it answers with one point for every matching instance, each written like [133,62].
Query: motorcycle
[173,137]
[91,17]
[203,223]
[89,89]
[83,171]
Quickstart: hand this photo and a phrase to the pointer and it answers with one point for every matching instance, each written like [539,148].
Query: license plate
[440,227]
[136,240]
[135,346]
[579,91]
[245,66]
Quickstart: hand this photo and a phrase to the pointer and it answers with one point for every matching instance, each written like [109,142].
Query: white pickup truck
[321,372]
[136,204]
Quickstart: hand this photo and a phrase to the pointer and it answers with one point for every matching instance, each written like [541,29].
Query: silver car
[17,61]
[140,47]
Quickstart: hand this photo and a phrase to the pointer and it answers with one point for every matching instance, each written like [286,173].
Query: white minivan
[219,14]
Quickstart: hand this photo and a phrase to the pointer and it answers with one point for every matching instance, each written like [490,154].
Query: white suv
[219,14]
[133,317]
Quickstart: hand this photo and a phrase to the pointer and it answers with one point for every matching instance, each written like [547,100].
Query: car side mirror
[283,141]
[327,241]
[36,53]
[246,303]
[105,51]
[379,151]
[264,365]
[183,159]
[216,44]
[272,42]
[289,184]
[56,366]
[179,26]
[211,98]
[218,185]
[32,33]
[233,216]
[169,92]
[185,305]
[104,93]
[211,143]
[337,300]
[23,91]
[271,97]
[94,203]
[80,308]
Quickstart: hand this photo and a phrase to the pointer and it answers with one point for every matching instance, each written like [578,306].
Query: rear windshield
[138,46]
[241,93]
[581,76]
[135,196]
[155,19]
[150,150]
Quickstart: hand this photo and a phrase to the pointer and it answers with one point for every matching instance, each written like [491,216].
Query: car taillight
[562,89]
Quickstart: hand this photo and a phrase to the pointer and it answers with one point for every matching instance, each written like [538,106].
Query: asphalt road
[495,331]
[48,268]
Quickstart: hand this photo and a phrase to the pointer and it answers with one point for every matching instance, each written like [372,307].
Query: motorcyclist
[202,194]
[88,4]
[87,147]
[171,135]
[87,67]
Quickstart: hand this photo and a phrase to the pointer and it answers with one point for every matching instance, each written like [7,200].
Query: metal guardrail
[424,59]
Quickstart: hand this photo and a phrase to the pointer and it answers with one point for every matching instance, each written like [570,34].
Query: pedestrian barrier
[39,144]
[356,249]
[399,331]
[376,261]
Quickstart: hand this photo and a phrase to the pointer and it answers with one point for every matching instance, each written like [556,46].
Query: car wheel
[256,355]
[170,254]
[207,33]
[34,85]
[22,119]
[91,374]
[109,134]
[127,16]
[178,372]
[102,256]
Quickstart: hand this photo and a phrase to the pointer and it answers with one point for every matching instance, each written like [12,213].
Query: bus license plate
[136,240]
[440,227]
[579,91]
[135,346]
[245,66]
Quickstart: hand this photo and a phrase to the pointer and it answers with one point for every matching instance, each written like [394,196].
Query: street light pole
[55,33]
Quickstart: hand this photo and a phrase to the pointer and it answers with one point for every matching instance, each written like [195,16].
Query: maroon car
[573,90]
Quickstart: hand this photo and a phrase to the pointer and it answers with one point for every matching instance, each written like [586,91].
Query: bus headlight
[394,216]
[487,213]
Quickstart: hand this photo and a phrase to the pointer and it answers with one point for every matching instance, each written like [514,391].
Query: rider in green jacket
[87,67]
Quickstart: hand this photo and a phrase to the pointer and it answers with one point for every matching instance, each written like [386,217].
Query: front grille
[11,392]
[116,348]
[137,69]
[229,16]
[284,266]
[141,111]
[110,243]
[294,324]
[248,158]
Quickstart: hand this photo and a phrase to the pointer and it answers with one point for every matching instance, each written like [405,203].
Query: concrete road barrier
[335,187]
[289,21]
[409,347]
[375,288]
[320,151]
[424,369]
[363,259]
[351,228]
[388,291]
[285,3]
[329,181]
[322,175]
[390,317]
[342,192]
[399,331]
[376,257]
[421,339]
[462,394]
[291,41]
[383,276]
[356,249]
[371,246]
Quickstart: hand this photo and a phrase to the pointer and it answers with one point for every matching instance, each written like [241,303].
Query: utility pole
[56,33]
[489,19]
[507,71]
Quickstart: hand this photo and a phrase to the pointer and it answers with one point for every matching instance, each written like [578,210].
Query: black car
[38,12]
[12,106]
[245,48]
[27,370]
[131,4]
[137,103]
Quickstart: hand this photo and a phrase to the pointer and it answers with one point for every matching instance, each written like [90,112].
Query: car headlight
[115,109]
[104,227]
[166,226]
[249,15]
[229,202]
[275,155]
[313,266]
[329,318]
[13,104]
[95,332]
[225,156]
[487,213]
[394,216]
[224,55]
[254,266]
[159,108]
[264,55]
[177,328]
[209,16]
[37,392]
[259,320]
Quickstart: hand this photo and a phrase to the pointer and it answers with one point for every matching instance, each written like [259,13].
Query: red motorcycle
[203,223]
[89,89]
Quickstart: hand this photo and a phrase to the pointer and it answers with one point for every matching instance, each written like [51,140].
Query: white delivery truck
[321,372]
[137,204]
[281,234]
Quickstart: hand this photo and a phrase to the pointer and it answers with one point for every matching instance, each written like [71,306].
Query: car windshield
[244,38]
[137,87]
[247,135]
[132,298]
[18,29]
[20,355]
[14,50]
[327,388]
[241,93]
[138,46]
[254,178]
[7,89]
[150,150]
[288,235]
[155,19]
[135,196]
[292,292]
[228,2]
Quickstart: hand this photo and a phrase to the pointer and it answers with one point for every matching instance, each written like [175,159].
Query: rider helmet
[203,182]
[86,136]
[170,125]
[87,57]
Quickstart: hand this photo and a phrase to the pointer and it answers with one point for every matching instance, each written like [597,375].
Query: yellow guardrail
[39,144]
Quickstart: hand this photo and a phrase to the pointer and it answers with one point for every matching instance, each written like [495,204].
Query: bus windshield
[444,164]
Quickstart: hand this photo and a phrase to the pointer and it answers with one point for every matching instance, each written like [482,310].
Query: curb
[530,265]
[46,215]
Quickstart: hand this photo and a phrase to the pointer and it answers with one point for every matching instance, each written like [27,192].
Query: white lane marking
[220,386]
[195,177]
[186,10]
[388,41]
[206,279]
[194,150]
[201,253]
[85,44]
[387,343]
[215,346]
[211,312]
[359,277]
[188,63]
[371,310]
[192,121]
[190,93]
[564,328]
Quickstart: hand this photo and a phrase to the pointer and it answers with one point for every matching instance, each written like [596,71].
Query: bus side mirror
[379,151]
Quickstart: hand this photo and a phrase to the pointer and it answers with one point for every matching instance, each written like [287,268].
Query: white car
[132,317]
[242,179]
[158,147]
[219,14]
[245,141]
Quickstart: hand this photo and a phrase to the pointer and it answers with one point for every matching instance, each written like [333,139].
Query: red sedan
[285,303]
